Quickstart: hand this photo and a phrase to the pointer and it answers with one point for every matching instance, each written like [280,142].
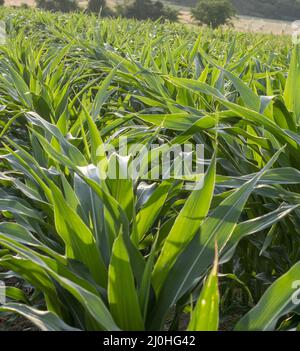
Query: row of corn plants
[130,254]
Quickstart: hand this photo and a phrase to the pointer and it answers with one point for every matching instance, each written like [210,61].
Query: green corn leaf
[198,255]
[151,209]
[281,298]
[175,121]
[205,316]
[46,269]
[251,100]
[252,226]
[80,242]
[44,320]
[122,293]
[186,226]
[292,86]
[102,94]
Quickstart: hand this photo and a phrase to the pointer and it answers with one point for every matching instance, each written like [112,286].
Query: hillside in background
[275,9]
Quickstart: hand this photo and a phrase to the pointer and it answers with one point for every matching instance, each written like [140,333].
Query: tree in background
[213,13]
[58,5]
[99,7]
[1,2]
[144,9]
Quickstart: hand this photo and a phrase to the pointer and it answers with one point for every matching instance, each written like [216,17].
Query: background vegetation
[213,13]
[144,9]
[57,5]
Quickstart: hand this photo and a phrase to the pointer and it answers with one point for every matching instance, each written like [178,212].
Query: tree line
[139,9]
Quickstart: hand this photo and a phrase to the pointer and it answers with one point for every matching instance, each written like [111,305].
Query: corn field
[78,252]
